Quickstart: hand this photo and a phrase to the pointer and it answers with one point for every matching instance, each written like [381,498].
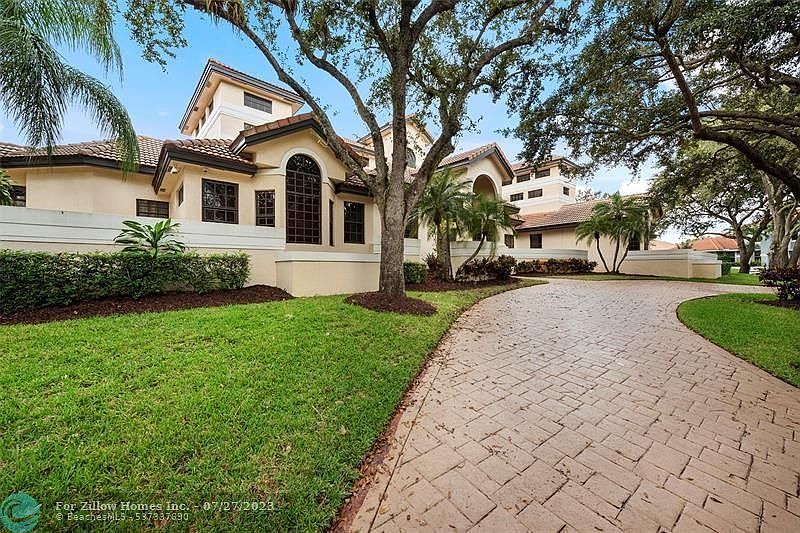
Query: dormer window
[256,102]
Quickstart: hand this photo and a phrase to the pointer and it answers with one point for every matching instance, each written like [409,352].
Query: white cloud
[634,186]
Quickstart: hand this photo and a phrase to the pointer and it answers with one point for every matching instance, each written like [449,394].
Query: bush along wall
[415,272]
[556,266]
[31,280]
[486,268]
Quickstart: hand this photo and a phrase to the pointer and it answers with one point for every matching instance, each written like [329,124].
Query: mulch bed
[786,304]
[122,305]
[437,285]
[376,301]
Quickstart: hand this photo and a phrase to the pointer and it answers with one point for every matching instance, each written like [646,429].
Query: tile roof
[470,156]
[214,148]
[714,244]
[520,166]
[571,214]
[9,148]
[149,149]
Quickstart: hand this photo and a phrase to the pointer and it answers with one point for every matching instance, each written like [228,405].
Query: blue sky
[156,99]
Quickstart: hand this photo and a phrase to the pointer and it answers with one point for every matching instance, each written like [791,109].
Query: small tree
[620,219]
[488,219]
[443,208]
[151,238]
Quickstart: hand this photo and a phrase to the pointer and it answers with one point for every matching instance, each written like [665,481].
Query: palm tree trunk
[616,255]
[603,259]
[475,253]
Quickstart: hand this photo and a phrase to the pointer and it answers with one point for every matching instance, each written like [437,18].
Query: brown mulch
[378,302]
[437,285]
[787,304]
[171,301]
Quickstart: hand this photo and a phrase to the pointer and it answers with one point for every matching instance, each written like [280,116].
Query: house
[722,247]
[254,174]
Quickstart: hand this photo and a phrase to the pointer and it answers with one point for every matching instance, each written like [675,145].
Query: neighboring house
[662,245]
[766,243]
[724,247]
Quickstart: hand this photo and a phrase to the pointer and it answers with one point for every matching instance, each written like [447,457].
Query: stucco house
[254,174]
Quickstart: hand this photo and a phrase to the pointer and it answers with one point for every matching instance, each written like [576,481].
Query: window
[536,240]
[566,191]
[220,202]
[331,242]
[542,173]
[509,240]
[412,229]
[523,177]
[180,195]
[516,197]
[411,158]
[536,193]
[152,208]
[265,208]
[354,222]
[303,201]
[256,102]
[18,196]
[635,243]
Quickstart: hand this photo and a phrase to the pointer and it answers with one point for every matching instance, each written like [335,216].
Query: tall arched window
[303,200]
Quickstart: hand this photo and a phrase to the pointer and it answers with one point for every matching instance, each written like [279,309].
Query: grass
[275,402]
[767,336]
[734,278]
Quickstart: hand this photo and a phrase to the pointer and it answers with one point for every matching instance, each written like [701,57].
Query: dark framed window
[265,208]
[412,229]
[516,197]
[536,240]
[354,222]
[180,194]
[523,177]
[18,196]
[542,173]
[303,201]
[331,241]
[509,240]
[256,102]
[635,242]
[152,208]
[220,202]
[565,191]
[536,193]
[411,158]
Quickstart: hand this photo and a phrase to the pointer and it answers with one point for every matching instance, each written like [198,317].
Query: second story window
[265,208]
[536,240]
[523,177]
[256,102]
[220,202]
[565,191]
[18,196]
[354,223]
[516,197]
[180,195]
[542,173]
[536,193]
[411,158]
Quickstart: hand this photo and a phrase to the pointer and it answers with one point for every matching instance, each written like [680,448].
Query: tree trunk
[745,252]
[794,259]
[616,255]
[603,259]
[475,253]
[392,281]
[443,251]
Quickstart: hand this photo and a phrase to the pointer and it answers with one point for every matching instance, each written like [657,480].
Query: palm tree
[152,239]
[620,218]
[36,86]
[444,209]
[5,189]
[489,218]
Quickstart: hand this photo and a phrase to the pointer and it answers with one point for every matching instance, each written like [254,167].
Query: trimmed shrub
[31,280]
[415,272]
[484,269]
[726,267]
[556,266]
[785,280]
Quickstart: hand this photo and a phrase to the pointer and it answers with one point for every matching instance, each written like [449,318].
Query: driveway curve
[587,406]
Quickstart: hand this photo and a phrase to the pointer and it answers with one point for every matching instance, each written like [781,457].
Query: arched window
[411,158]
[303,201]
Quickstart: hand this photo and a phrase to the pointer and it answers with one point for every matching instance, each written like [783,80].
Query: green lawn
[767,336]
[276,402]
[734,278]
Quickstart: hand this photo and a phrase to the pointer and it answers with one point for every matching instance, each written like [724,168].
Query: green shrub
[485,269]
[415,272]
[31,280]
[726,267]
[571,265]
[785,280]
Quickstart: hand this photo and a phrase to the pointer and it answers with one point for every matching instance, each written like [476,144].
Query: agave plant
[152,239]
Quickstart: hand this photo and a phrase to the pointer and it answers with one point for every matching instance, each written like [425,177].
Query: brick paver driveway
[587,406]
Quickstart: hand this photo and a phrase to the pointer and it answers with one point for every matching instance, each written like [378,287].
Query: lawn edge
[375,457]
[637,277]
[738,356]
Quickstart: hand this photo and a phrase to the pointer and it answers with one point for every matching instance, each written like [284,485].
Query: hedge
[415,272]
[556,266]
[726,268]
[487,269]
[31,280]
[785,280]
